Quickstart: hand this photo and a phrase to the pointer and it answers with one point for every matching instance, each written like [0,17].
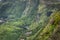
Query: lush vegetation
[28,20]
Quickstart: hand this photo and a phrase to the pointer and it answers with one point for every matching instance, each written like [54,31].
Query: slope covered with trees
[29,20]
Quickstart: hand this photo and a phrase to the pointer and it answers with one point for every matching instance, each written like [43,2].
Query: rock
[49,13]
[21,39]
[2,21]
[28,33]
[52,21]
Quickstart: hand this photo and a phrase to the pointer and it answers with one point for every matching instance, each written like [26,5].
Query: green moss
[48,30]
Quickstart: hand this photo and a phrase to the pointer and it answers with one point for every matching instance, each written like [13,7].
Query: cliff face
[29,20]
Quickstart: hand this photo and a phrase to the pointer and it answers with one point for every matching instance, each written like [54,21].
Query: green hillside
[29,20]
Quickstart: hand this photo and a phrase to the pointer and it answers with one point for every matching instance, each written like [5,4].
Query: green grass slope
[28,20]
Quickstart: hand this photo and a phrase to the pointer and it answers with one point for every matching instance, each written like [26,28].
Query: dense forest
[29,19]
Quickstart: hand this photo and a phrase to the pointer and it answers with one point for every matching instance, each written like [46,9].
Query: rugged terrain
[29,20]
